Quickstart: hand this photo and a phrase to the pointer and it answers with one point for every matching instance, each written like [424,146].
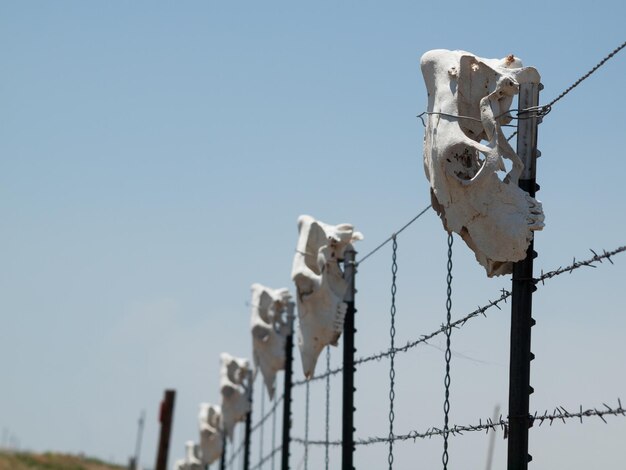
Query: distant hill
[51,461]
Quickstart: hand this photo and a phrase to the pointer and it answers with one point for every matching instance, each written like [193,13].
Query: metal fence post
[223,456]
[166,416]
[287,390]
[248,432]
[347,432]
[142,419]
[523,287]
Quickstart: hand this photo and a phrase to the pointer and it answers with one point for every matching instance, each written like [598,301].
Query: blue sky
[155,156]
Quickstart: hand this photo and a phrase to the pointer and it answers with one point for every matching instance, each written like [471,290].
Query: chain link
[446,404]
[392,335]
[327,447]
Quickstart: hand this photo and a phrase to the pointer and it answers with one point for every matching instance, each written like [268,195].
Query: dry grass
[51,461]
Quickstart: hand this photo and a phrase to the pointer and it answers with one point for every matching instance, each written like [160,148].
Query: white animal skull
[494,216]
[235,397]
[191,461]
[272,311]
[211,434]
[320,285]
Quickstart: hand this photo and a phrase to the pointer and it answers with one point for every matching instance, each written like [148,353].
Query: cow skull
[468,101]
[320,285]
[211,434]
[235,393]
[272,311]
[191,461]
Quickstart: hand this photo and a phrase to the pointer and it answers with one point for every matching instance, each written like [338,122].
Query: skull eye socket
[464,163]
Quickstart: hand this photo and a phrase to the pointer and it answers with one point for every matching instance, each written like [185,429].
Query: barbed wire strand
[234,453]
[540,110]
[267,415]
[489,424]
[597,258]
[269,456]
[587,75]
[394,235]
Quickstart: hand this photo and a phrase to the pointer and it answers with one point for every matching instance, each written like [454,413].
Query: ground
[51,461]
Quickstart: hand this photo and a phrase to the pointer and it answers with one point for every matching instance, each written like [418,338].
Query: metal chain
[392,334]
[327,447]
[306,429]
[446,404]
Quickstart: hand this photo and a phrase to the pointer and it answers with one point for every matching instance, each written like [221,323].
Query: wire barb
[487,425]
[463,320]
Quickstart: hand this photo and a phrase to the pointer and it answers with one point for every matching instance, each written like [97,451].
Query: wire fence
[559,414]
[487,424]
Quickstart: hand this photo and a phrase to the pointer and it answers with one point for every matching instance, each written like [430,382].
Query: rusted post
[166,417]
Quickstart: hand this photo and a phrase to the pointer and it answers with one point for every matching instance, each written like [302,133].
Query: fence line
[505,294]
[394,235]
[267,415]
[559,413]
[267,457]
[548,106]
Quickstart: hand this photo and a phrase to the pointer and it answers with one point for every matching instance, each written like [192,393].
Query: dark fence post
[247,436]
[347,431]
[142,419]
[223,456]
[287,390]
[523,287]
[166,416]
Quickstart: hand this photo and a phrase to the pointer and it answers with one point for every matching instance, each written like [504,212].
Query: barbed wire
[541,110]
[488,424]
[505,294]
[269,456]
[585,76]
[267,415]
[235,454]
[579,264]
[393,235]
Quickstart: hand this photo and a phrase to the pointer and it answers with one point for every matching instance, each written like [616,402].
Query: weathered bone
[272,311]
[320,286]
[211,434]
[191,461]
[235,397]
[468,101]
